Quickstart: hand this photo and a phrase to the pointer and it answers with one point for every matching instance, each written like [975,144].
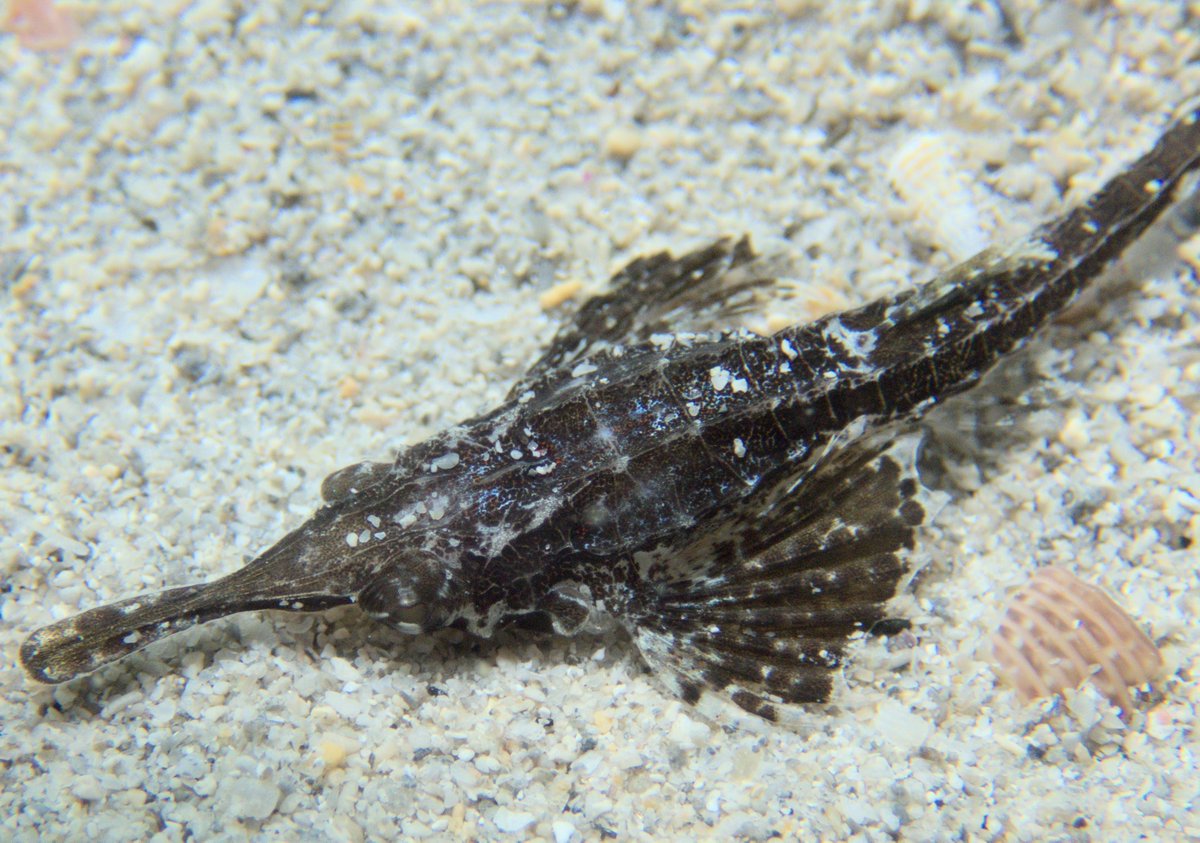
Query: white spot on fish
[719,378]
[438,506]
[445,462]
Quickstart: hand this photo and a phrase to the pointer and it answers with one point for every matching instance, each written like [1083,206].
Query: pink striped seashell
[40,25]
[1059,630]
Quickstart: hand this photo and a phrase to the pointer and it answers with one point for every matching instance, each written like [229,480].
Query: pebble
[333,751]
[622,143]
[87,788]
[510,821]
[900,726]
[251,799]
[560,294]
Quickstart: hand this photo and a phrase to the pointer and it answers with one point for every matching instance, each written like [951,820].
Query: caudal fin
[1099,230]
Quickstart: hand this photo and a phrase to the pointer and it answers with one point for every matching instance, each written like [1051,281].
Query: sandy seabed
[244,244]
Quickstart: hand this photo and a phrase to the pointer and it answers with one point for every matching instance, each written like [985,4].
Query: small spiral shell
[1059,630]
[926,172]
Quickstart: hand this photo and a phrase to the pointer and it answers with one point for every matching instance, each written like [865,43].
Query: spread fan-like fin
[761,611]
[700,292]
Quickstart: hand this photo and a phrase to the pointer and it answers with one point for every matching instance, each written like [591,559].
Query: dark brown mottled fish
[741,504]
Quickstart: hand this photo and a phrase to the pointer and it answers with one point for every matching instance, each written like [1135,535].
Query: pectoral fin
[761,612]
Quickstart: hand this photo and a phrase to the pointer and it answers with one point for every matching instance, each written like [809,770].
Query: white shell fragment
[926,172]
[1059,630]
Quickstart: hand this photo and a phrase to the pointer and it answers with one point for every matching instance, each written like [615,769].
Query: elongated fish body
[742,504]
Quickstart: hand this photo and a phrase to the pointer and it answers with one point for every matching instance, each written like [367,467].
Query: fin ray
[761,613]
[699,292]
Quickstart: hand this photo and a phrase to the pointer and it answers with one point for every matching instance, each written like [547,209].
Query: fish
[743,505]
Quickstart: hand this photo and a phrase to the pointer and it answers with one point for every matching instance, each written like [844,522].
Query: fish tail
[940,338]
[1091,235]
